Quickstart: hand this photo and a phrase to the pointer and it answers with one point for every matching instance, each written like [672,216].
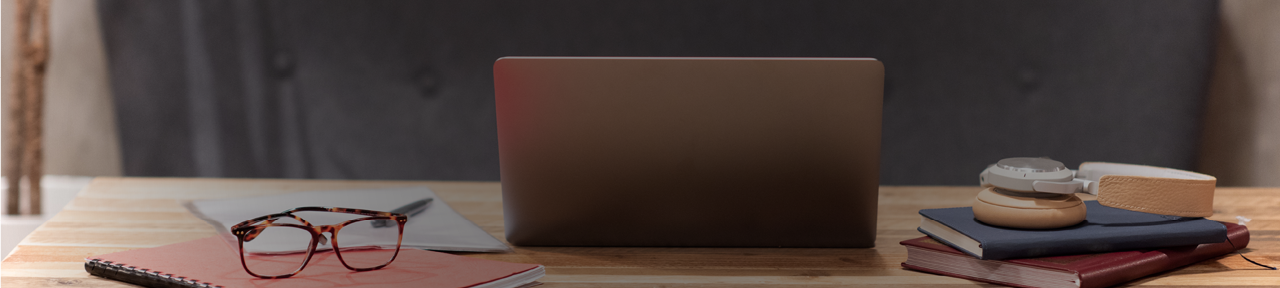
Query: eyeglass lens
[359,243]
[277,250]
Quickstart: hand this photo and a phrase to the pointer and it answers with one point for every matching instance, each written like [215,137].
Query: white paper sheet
[436,228]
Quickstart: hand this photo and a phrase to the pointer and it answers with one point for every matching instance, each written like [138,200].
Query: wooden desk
[116,214]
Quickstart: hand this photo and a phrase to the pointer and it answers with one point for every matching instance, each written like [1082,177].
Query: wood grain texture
[117,214]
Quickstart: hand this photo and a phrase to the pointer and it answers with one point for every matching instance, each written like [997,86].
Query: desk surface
[117,214]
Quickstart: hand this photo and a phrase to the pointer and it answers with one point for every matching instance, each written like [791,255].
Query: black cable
[1233,245]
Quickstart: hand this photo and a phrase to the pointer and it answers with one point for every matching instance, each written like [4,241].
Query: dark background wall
[403,90]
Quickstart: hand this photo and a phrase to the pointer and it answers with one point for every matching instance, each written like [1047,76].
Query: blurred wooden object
[118,214]
[23,123]
[1241,140]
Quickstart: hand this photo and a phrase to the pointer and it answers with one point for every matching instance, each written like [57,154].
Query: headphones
[1039,193]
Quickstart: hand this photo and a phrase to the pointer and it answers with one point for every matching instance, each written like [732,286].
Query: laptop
[702,152]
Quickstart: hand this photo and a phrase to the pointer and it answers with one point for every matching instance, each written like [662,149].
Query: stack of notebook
[1112,246]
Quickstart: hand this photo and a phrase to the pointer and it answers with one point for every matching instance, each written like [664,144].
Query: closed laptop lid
[745,152]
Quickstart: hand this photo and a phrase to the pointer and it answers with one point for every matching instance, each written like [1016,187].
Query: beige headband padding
[1157,190]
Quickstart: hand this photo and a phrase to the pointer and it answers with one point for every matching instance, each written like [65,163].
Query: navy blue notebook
[1105,229]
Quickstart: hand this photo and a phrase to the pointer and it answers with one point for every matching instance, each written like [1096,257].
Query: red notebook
[209,262]
[1087,270]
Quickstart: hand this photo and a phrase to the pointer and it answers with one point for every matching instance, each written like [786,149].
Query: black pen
[410,209]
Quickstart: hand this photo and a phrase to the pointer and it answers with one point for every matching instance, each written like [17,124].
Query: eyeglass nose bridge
[331,229]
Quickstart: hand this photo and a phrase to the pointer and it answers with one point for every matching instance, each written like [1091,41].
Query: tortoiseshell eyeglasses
[280,245]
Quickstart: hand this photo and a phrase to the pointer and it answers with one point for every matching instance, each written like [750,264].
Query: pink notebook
[209,262]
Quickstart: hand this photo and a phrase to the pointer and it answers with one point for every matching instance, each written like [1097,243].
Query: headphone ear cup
[998,209]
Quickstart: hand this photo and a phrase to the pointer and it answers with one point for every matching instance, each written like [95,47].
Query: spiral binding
[101,268]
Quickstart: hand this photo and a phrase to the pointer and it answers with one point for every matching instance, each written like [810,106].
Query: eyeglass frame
[246,229]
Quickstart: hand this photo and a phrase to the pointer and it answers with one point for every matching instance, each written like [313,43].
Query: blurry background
[403,90]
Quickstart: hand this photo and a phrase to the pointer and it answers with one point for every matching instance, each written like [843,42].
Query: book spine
[140,276]
[1163,260]
[918,268]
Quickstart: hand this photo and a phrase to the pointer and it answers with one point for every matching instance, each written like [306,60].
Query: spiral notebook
[210,263]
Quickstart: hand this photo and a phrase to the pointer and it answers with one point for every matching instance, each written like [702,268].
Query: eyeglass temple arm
[252,231]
